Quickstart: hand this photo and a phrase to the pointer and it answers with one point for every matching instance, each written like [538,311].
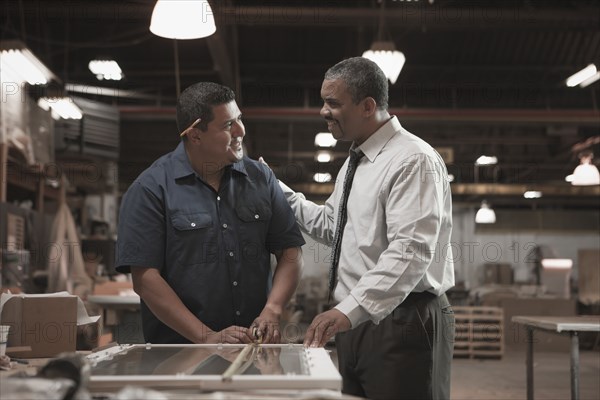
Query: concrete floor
[484,379]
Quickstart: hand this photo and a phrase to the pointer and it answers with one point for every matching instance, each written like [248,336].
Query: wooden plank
[479,332]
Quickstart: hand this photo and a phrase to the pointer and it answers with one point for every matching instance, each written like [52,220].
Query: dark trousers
[407,356]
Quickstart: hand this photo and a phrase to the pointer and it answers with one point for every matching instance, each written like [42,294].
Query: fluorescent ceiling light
[485,215]
[590,80]
[487,160]
[60,107]
[390,60]
[582,75]
[18,64]
[532,194]
[325,139]
[324,156]
[322,177]
[106,69]
[557,263]
[182,19]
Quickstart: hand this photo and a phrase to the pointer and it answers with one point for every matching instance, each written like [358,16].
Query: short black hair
[363,78]
[198,100]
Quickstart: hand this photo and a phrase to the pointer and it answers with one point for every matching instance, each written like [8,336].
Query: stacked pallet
[479,332]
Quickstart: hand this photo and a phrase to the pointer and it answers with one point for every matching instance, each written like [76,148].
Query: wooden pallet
[478,332]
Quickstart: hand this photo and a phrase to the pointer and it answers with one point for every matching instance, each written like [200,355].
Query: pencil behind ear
[189,128]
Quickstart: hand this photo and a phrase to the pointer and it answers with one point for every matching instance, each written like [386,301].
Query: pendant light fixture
[586,173]
[182,19]
[384,53]
[485,215]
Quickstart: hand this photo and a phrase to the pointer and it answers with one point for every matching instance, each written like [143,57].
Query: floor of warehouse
[491,379]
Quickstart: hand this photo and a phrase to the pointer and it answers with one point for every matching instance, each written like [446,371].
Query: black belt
[415,297]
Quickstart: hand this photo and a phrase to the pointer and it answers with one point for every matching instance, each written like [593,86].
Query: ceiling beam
[434,17]
[575,116]
[409,15]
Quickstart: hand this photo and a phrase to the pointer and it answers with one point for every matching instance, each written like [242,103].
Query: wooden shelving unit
[479,332]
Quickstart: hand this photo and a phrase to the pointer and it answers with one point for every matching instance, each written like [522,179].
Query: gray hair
[363,78]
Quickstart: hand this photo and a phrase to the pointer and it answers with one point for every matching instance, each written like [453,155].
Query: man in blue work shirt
[197,228]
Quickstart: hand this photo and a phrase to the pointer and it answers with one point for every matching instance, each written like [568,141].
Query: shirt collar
[183,168]
[375,143]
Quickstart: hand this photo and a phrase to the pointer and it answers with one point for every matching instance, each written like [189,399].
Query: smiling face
[344,117]
[221,143]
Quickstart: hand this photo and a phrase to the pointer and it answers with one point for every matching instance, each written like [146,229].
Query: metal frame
[560,325]
[321,373]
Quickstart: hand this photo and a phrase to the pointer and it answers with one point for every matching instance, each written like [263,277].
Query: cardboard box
[46,324]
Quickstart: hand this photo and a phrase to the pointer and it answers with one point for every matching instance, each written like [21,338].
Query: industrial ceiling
[481,77]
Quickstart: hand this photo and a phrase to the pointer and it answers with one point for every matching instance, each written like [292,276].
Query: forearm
[166,305]
[315,220]
[286,278]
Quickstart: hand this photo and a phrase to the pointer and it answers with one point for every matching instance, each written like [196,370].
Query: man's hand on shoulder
[262,161]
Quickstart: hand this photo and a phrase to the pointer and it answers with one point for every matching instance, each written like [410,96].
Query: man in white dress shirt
[393,324]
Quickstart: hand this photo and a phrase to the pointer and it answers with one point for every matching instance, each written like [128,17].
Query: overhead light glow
[182,19]
[106,69]
[586,173]
[532,194]
[569,178]
[485,215]
[19,64]
[325,139]
[324,156]
[590,80]
[390,60]
[60,107]
[322,177]
[557,263]
[582,75]
[487,160]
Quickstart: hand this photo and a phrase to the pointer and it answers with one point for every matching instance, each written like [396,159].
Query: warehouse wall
[510,242]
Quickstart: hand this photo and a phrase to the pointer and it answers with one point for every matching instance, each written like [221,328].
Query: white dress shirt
[397,238]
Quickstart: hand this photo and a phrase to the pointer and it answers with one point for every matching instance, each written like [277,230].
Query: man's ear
[195,136]
[369,106]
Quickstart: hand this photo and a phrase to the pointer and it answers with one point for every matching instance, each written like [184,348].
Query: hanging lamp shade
[182,19]
[586,173]
[485,215]
[390,60]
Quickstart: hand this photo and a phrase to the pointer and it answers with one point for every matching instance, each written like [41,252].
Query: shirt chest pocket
[191,221]
[254,223]
[254,213]
[192,240]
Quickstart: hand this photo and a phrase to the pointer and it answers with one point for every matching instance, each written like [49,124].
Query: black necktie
[342,218]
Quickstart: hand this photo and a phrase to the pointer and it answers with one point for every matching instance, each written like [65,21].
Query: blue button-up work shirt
[212,248]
